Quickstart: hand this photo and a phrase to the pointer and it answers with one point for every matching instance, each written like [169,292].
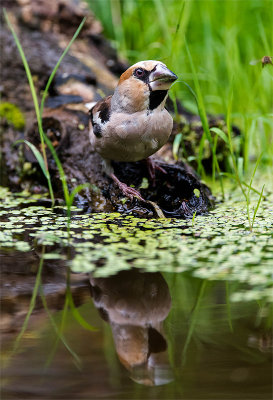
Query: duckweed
[219,246]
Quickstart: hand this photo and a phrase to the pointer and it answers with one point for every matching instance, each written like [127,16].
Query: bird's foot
[131,193]
[152,168]
[127,190]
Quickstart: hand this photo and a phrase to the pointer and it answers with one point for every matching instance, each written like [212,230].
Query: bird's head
[143,86]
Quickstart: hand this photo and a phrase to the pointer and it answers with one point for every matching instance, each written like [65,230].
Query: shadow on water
[135,305]
[144,322]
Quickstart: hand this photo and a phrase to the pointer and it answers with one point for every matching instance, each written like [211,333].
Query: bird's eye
[139,72]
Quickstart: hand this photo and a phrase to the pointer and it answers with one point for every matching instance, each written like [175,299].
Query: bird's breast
[133,137]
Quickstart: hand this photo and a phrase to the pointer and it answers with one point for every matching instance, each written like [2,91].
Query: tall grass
[45,141]
[209,44]
[32,302]
[38,289]
[68,197]
[223,37]
[41,160]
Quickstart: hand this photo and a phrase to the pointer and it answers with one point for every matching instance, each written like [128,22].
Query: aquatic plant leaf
[37,155]
[220,133]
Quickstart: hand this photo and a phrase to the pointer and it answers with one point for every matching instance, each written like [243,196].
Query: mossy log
[88,72]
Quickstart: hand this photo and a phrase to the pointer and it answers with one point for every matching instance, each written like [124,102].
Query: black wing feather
[103,110]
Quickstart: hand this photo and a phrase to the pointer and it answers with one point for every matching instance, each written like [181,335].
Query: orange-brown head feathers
[143,86]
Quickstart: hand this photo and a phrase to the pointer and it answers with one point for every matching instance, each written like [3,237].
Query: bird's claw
[127,190]
[130,192]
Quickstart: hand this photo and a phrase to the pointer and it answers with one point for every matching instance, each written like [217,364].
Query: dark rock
[174,192]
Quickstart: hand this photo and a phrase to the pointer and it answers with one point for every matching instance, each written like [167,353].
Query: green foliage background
[223,38]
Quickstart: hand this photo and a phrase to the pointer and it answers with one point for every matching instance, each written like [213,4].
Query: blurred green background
[223,38]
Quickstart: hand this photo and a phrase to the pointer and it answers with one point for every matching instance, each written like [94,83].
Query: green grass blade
[47,140]
[26,66]
[78,316]
[229,131]
[201,111]
[263,35]
[220,133]
[193,218]
[60,168]
[58,332]
[199,97]
[61,329]
[35,100]
[194,319]
[231,176]
[53,73]
[248,193]
[213,158]
[200,167]
[39,111]
[176,144]
[116,12]
[163,23]
[32,303]
[76,190]
[257,206]
[37,155]
[254,172]
[73,308]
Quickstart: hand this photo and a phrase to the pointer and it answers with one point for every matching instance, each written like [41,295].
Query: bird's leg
[127,190]
[152,167]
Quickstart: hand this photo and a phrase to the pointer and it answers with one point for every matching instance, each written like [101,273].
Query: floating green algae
[217,246]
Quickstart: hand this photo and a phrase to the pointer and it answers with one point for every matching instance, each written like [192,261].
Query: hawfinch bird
[133,124]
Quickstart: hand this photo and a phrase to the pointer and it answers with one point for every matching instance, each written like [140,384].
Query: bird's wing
[100,114]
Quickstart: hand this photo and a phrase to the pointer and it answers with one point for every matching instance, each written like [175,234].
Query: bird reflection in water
[135,304]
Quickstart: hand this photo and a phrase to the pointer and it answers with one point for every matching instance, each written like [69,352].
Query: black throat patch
[156,98]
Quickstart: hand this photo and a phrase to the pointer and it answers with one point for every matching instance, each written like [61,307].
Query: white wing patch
[96,118]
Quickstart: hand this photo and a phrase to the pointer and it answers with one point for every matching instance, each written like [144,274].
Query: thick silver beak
[161,78]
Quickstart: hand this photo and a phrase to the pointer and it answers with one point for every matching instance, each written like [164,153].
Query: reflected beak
[161,78]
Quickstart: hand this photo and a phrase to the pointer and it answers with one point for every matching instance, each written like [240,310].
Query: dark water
[158,309]
[158,336]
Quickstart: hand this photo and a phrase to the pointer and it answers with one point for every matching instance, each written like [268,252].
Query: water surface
[163,309]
